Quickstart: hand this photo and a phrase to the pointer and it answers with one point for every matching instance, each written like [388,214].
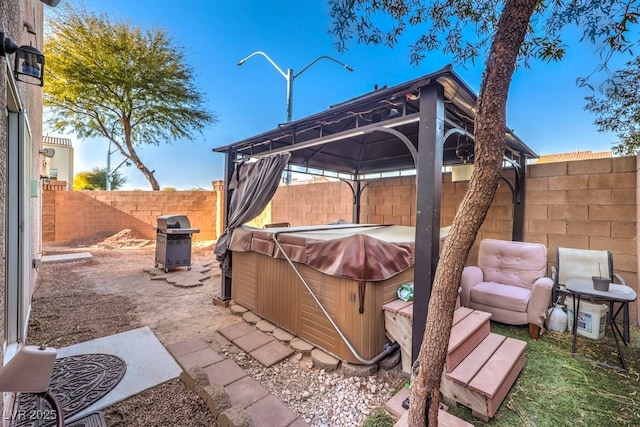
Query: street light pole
[289,76]
[108,174]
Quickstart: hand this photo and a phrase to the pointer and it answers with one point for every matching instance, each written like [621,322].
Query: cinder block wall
[312,204]
[589,204]
[80,214]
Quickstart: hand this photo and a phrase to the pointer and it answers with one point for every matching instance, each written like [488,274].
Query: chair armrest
[471,276]
[539,301]
[554,274]
[29,371]
[620,279]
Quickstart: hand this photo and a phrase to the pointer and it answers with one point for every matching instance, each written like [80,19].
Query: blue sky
[545,106]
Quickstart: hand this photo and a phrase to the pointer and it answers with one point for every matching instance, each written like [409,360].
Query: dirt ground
[80,301]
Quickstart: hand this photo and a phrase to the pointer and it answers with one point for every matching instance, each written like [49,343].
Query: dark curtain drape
[252,185]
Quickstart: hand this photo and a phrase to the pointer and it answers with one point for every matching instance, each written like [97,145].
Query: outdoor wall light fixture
[29,61]
[51,3]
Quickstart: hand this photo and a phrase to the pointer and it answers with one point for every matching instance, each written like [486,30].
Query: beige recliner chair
[509,283]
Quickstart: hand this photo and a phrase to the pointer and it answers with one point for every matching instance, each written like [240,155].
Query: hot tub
[353,270]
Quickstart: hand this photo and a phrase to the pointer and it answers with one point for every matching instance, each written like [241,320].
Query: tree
[96,180]
[618,110]
[110,79]
[509,30]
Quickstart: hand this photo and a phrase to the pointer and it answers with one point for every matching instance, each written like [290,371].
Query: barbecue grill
[173,241]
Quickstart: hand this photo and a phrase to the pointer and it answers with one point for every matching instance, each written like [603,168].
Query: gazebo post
[428,200]
[517,233]
[229,167]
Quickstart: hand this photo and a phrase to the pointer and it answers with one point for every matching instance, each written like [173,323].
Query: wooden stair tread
[469,367]
[407,311]
[445,419]
[498,367]
[460,313]
[466,327]
[396,305]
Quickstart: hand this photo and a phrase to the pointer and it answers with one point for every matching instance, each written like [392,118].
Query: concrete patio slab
[271,353]
[271,412]
[80,256]
[253,340]
[148,364]
[224,373]
[236,330]
[246,391]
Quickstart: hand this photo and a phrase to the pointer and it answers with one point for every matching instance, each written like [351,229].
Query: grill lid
[166,222]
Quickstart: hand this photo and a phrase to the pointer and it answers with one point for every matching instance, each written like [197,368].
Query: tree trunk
[149,175]
[490,129]
[133,155]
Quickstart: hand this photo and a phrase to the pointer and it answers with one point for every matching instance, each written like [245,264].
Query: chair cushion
[514,263]
[512,298]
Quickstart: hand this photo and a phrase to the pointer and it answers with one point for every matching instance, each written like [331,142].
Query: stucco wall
[13,16]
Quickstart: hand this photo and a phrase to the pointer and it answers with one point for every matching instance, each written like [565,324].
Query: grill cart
[173,241]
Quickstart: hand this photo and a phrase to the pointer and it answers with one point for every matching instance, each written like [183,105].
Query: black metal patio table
[623,295]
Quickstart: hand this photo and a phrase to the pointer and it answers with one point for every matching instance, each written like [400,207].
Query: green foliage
[556,389]
[618,109]
[379,418]
[96,180]
[464,28]
[110,79]
[169,189]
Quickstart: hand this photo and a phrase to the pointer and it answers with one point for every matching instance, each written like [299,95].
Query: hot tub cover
[361,252]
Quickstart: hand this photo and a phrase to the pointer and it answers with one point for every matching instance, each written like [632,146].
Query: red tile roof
[575,155]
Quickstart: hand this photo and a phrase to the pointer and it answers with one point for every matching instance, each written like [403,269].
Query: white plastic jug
[558,319]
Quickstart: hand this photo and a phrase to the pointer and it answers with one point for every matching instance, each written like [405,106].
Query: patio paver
[246,391]
[264,408]
[186,346]
[271,353]
[271,412]
[253,340]
[236,330]
[224,373]
[202,358]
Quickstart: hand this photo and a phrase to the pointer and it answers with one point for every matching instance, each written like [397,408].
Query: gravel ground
[322,398]
[80,301]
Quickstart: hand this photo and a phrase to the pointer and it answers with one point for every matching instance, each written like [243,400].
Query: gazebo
[421,125]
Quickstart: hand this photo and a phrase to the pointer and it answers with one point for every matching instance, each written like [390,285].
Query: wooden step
[469,328]
[394,407]
[445,419]
[466,334]
[398,323]
[484,378]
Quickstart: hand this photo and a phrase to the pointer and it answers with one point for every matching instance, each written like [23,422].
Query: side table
[581,288]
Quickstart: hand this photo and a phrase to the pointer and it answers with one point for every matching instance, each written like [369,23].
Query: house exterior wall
[62,162]
[13,15]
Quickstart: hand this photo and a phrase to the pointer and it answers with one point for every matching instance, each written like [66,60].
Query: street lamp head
[241,62]
[348,68]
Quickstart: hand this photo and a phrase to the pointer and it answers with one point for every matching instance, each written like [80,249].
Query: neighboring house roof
[54,140]
[575,155]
